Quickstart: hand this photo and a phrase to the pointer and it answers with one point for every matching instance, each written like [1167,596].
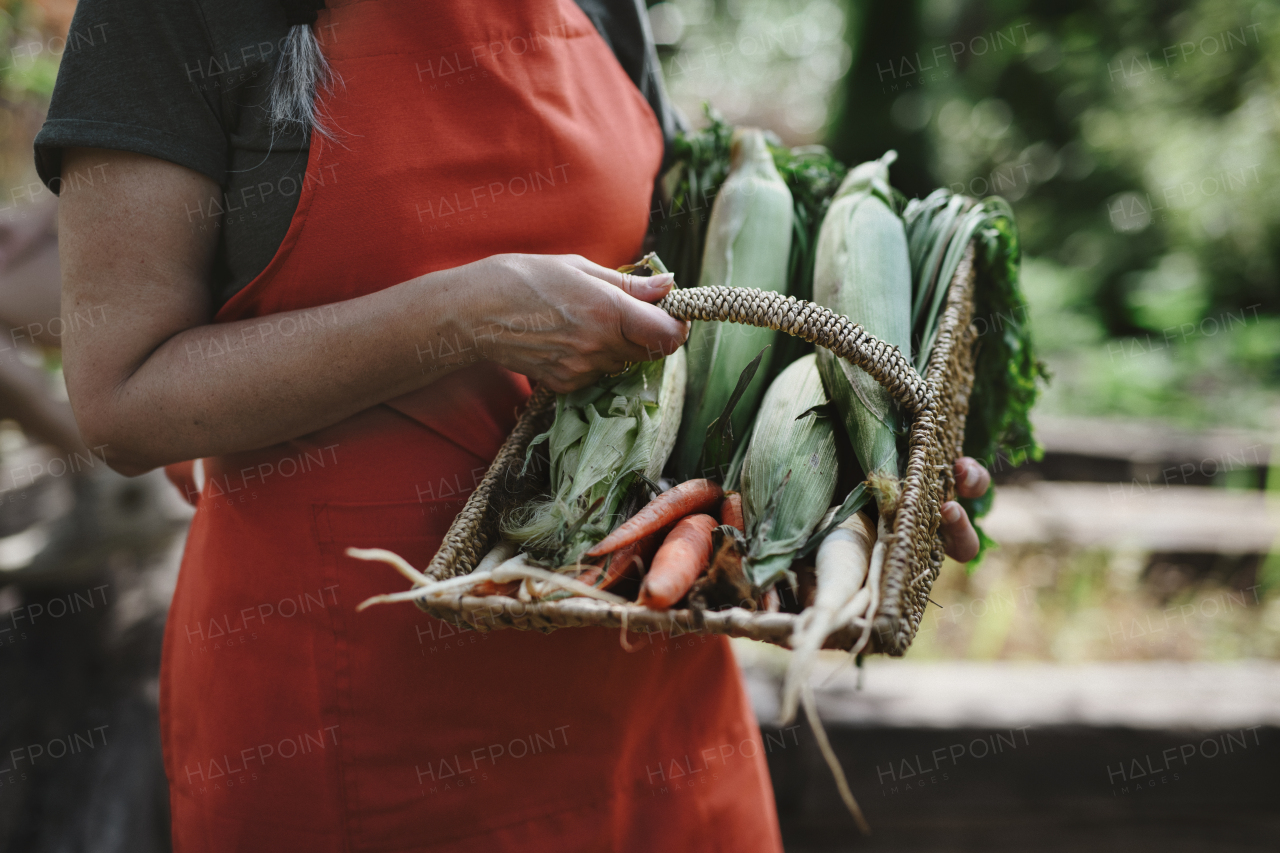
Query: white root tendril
[622,636]
[461,582]
[391,558]
[508,572]
[515,569]
[829,755]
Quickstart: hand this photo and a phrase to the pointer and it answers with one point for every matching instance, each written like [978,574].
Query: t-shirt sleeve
[130,81]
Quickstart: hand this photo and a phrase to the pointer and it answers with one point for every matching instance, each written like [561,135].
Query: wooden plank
[1147,516]
[1154,695]
[1152,441]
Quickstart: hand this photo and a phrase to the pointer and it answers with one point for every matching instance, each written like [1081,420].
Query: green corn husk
[863,270]
[1006,371]
[606,441]
[748,245]
[701,162]
[788,472]
[813,176]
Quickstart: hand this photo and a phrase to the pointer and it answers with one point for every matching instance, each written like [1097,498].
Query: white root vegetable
[517,562]
[499,554]
[878,553]
[855,612]
[841,568]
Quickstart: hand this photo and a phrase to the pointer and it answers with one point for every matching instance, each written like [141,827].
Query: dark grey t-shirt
[187,81]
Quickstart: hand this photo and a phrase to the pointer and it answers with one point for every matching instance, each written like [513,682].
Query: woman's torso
[291,720]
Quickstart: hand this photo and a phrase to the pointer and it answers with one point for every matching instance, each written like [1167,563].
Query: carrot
[604,572]
[590,574]
[624,562]
[689,497]
[628,561]
[684,555]
[731,511]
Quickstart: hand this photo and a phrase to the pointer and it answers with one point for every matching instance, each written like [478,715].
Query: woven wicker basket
[938,403]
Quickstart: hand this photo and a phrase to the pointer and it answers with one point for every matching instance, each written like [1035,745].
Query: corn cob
[748,245]
[788,472]
[863,271]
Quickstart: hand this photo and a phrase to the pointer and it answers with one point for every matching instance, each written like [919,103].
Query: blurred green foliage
[1136,141]
[1137,144]
[29,64]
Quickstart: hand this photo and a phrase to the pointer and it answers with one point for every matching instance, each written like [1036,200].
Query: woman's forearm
[156,381]
[222,388]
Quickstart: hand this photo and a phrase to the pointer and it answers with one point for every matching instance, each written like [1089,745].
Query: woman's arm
[155,382]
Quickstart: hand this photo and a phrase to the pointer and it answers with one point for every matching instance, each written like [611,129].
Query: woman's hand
[564,321]
[958,535]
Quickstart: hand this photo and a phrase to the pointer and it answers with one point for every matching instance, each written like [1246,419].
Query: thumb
[652,328]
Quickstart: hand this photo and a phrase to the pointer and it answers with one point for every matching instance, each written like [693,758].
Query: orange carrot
[627,561]
[624,562]
[606,571]
[689,497]
[684,555]
[731,511]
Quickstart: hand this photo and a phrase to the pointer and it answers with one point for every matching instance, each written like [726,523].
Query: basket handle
[810,322]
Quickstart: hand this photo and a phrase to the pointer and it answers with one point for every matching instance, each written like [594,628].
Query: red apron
[291,722]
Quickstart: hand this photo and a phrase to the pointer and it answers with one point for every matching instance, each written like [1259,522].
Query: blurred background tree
[1136,141]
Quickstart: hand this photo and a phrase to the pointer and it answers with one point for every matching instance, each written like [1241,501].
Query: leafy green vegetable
[1006,371]
[690,187]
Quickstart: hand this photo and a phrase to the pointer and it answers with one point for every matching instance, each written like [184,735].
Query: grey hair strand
[302,75]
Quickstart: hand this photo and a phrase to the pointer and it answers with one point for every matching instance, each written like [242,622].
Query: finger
[645,288]
[582,380]
[654,330]
[648,333]
[972,479]
[958,535]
